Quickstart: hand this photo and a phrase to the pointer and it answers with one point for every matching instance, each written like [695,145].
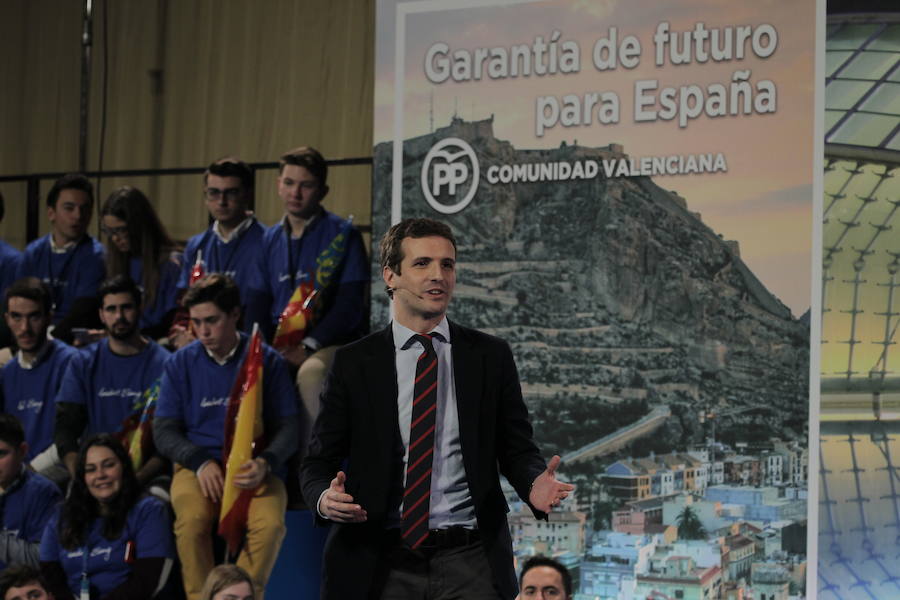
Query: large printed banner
[631,187]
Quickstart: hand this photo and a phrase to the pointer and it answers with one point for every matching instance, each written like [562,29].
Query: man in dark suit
[423,414]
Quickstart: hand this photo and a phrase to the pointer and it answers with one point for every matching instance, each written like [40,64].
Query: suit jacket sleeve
[330,441]
[518,456]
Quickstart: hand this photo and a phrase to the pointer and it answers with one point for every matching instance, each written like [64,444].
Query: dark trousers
[446,571]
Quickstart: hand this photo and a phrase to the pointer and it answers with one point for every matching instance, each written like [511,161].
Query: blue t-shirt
[110,384]
[9,265]
[286,263]
[29,394]
[148,527]
[77,273]
[195,390]
[26,506]
[238,260]
[166,290]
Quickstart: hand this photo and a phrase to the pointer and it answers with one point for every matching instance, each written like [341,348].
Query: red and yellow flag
[243,441]
[296,318]
[197,271]
[136,433]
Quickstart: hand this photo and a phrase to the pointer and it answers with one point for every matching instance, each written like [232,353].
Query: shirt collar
[30,364]
[402,333]
[61,249]
[236,232]
[223,361]
[285,224]
[15,483]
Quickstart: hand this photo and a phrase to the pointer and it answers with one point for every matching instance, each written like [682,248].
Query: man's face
[543,582]
[29,591]
[424,286]
[216,329]
[71,215]
[120,315]
[27,322]
[10,462]
[301,191]
[226,199]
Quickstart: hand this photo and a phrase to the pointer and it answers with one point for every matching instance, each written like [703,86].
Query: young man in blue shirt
[189,429]
[290,258]
[30,381]
[27,499]
[232,244]
[67,259]
[105,381]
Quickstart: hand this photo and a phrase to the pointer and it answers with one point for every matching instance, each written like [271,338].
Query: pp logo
[449,163]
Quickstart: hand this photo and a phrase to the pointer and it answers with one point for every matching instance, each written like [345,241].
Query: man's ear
[388,275]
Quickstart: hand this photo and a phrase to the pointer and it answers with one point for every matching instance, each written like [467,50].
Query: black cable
[104,95]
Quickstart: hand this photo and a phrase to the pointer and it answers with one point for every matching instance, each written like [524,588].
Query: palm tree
[689,525]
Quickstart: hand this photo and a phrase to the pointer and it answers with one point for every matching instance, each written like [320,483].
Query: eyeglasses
[114,231]
[229,193]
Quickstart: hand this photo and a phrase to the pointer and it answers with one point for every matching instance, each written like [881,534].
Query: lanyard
[65,267]
[85,593]
[292,271]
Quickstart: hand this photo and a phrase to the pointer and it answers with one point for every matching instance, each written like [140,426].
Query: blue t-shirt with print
[29,394]
[238,260]
[109,384]
[195,390]
[287,262]
[148,528]
[77,273]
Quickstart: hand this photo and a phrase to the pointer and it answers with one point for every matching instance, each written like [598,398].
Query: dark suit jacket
[358,423]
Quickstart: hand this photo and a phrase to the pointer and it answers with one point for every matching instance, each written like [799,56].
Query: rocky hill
[612,293]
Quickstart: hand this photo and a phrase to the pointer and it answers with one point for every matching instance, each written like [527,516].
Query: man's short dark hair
[392,241]
[18,576]
[11,432]
[230,166]
[217,288]
[120,284]
[33,289]
[308,157]
[545,561]
[72,181]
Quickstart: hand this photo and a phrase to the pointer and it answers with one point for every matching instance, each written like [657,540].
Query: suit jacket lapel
[468,376]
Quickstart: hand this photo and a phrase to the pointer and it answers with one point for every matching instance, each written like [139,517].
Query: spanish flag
[244,439]
[296,318]
[300,312]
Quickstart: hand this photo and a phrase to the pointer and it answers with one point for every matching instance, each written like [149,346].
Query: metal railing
[33,184]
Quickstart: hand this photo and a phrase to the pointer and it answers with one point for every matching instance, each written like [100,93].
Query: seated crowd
[121,366]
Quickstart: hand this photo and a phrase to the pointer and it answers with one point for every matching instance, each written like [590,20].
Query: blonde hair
[223,576]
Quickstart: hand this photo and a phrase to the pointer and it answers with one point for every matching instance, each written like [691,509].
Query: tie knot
[425,340]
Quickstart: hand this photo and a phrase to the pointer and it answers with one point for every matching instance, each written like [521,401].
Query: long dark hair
[80,508]
[146,235]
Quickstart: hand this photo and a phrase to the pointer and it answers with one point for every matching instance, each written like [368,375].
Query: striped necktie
[417,494]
